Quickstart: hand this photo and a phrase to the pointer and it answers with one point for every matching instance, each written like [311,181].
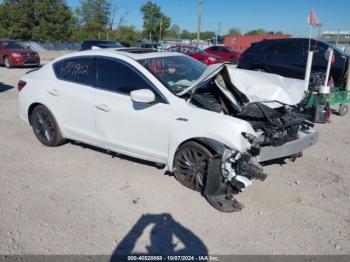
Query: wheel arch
[31,108]
[38,103]
[212,145]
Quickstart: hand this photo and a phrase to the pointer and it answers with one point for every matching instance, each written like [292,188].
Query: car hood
[266,87]
[270,89]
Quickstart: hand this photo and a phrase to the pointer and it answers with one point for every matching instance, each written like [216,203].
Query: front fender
[209,126]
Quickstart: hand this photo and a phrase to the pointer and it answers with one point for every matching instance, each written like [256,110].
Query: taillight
[21,84]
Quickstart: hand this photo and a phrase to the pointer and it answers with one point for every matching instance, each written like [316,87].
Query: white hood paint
[260,87]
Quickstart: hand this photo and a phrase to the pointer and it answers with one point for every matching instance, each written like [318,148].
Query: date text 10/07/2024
[173,258]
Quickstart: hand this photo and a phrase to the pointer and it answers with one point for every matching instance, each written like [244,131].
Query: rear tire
[343,110]
[191,165]
[7,62]
[45,127]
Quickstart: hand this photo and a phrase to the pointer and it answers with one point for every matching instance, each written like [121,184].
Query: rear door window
[81,70]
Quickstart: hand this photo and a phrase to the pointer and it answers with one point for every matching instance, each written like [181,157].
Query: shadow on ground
[167,237]
[4,87]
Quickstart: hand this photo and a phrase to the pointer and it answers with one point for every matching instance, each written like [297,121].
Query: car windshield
[199,51]
[13,45]
[176,72]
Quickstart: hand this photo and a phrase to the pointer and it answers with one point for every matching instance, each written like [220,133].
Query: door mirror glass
[142,96]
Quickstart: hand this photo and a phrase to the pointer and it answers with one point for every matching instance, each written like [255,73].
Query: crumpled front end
[281,133]
[266,103]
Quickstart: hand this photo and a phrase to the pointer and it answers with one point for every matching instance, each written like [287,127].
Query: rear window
[81,70]
[288,48]
[255,48]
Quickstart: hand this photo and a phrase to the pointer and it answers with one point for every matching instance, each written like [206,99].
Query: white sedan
[209,125]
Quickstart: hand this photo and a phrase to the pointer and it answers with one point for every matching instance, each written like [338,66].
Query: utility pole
[218,34]
[199,21]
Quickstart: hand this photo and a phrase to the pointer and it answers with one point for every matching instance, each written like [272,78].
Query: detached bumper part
[216,191]
[306,139]
[229,176]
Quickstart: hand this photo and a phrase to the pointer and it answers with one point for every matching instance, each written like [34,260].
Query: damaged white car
[210,126]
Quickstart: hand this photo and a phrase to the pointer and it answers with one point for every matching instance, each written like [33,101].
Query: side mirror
[142,96]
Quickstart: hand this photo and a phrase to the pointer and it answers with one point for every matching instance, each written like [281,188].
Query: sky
[288,16]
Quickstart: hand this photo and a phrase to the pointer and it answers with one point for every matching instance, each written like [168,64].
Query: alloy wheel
[43,127]
[190,166]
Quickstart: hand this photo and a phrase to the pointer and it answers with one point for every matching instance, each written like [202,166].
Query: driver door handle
[103,107]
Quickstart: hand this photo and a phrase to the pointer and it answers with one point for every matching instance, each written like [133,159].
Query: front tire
[7,62]
[343,110]
[191,165]
[45,127]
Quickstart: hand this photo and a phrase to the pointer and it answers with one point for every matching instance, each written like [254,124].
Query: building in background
[242,42]
[340,39]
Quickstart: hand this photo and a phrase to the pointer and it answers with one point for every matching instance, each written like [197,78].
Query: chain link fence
[40,47]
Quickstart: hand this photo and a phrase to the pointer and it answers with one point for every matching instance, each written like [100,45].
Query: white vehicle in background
[210,126]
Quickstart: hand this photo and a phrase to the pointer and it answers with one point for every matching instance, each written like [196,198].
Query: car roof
[134,53]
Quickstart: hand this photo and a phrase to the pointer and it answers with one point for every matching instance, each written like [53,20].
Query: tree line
[53,21]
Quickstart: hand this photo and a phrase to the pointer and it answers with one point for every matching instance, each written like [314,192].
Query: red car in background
[227,53]
[197,53]
[14,53]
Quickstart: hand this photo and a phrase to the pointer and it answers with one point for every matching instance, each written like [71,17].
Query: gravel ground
[79,200]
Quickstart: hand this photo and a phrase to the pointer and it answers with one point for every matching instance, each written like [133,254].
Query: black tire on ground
[45,127]
[191,165]
[233,60]
[343,110]
[7,62]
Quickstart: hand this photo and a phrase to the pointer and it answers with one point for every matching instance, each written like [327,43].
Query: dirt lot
[78,200]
